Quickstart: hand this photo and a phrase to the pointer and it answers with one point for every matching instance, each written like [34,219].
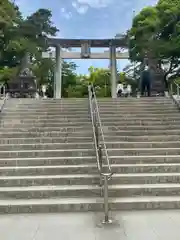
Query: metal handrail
[102,134]
[177,88]
[99,165]
[96,124]
[92,95]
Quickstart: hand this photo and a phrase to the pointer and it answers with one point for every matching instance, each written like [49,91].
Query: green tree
[155,34]
[100,77]
[44,71]
[19,36]
[143,33]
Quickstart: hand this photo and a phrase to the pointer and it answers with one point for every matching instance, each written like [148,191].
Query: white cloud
[74,4]
[80,8]
[96,3]
[63,10]
[66,14]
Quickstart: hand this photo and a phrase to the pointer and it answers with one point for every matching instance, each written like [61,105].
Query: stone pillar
[113,68]
[58,74]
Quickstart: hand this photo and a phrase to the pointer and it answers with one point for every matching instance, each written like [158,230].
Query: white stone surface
[142,225]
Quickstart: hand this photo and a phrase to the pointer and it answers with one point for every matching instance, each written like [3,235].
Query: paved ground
[152,225]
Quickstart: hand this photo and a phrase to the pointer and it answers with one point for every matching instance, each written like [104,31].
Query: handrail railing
[175,89]
[105,173]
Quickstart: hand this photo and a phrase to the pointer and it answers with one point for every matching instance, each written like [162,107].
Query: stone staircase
[48,163]
[143,141]
[47,157]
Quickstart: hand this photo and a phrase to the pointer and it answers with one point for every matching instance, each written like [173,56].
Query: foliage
[100,77]
[19,36]
[7,73]
[155,34]
[24,35]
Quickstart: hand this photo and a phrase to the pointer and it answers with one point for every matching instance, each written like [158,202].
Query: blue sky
[89,19]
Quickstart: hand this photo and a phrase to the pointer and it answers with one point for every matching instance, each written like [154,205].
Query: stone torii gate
[85,45]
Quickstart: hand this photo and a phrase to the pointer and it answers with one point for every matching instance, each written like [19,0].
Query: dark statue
[24,85]
[158,85]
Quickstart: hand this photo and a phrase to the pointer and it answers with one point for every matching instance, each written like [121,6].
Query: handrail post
[105,175]
[4,91]
[177,92]
[106,202]
[100,163]
[171,89]
[96,132]
[100,155]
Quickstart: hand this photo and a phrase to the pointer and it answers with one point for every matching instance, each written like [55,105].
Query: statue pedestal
[22,87]
[158,86]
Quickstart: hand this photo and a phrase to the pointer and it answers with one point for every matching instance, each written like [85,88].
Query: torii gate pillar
[113,69]
[58,74]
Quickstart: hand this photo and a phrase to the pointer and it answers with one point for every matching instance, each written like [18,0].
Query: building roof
[73,43]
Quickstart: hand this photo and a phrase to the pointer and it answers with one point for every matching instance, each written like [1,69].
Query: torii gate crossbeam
[85,45]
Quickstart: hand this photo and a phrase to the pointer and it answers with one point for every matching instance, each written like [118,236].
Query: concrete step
[47,153]
[137,105]
[71,160]
[44,116]
[36,117]
[42,134]
[119,122]
[138,119]
[89,168]
[141,132]
[140,115]
[137,111]
[144,159]
[116,130]
[51,108]
[36,129]
[73,137]
[89,145]
[40,192]
[48,180]
[33,106]
[134,100]
[61,120]
[158,144]
[44,146]
[144,178]
[141,127]
[143,151]
[88,179]
[45,112]
[28,101]
[126,190]
[144,107]
[146,168]
[87,204]
[48,170]
[46,125]
[47,161]
[46,140]
[143,138]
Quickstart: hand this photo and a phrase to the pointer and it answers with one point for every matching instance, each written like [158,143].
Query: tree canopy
[155,34]
[21,35]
